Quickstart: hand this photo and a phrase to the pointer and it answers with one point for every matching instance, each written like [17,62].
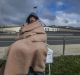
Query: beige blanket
[29,50]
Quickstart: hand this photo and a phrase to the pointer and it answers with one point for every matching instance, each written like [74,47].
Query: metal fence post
[63,45]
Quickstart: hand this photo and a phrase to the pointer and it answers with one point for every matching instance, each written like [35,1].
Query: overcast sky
[58,12]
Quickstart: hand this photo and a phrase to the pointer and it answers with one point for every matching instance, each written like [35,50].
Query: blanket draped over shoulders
[29,51]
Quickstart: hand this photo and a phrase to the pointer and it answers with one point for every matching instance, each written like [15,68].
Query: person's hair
[31,15]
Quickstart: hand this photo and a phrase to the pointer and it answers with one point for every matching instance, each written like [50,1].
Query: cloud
[63,19]
[73,6]
[16,11]
[47,22]
[60,3]
[47,14]
[69,19]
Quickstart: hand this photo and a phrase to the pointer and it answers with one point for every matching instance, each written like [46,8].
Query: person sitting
[27,56]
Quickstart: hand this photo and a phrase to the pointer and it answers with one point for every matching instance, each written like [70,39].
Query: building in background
[51,30]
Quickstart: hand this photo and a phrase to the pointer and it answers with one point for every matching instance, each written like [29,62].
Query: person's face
[32,19]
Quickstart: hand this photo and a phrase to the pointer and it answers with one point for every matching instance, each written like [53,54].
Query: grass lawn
[65,65]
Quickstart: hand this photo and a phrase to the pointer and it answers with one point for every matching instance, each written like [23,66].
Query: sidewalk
[70,49]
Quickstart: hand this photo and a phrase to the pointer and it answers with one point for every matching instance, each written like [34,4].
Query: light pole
[35,9]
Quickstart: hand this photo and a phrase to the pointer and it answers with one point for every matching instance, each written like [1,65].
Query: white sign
[49,58]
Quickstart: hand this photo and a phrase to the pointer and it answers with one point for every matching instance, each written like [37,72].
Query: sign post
[49,59]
